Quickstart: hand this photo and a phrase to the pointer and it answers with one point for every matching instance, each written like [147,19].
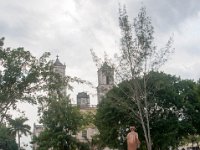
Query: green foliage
[24,78]
[114,115]
[173,111]
[21,76]
[61,121]
[18,127]
[7,140]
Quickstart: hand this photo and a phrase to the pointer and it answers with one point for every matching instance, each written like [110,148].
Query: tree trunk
[143,117]
[18,135]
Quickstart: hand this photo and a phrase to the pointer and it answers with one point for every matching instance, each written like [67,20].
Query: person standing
[133,141]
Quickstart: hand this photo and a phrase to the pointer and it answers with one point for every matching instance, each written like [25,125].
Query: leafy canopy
[173,110]
[21,76]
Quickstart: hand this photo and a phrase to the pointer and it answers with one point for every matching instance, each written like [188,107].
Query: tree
[167,102]
[61,120]
[138,57]
[21,76]
[7,140]
[18,128]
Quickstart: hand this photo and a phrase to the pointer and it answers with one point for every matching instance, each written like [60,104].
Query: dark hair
[132,128]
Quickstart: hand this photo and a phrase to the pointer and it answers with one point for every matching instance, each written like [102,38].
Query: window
[84,133]
[107,80]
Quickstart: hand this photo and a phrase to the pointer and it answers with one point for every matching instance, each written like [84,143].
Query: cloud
[187,51]
[71,28]
[167,15]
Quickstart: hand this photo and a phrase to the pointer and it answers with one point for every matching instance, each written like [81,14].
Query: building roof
[58,63]
[106,66]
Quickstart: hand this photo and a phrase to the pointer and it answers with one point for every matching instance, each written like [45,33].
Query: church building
[105,83]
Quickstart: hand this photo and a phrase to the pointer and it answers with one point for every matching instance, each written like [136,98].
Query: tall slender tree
[18,128]
[138,57]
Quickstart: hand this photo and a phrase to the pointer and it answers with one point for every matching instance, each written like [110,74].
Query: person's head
[132,128]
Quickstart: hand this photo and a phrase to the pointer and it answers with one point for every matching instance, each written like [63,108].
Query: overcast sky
[70,28]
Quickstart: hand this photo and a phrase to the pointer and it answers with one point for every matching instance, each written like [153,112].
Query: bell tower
[105,80]
[59,68]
